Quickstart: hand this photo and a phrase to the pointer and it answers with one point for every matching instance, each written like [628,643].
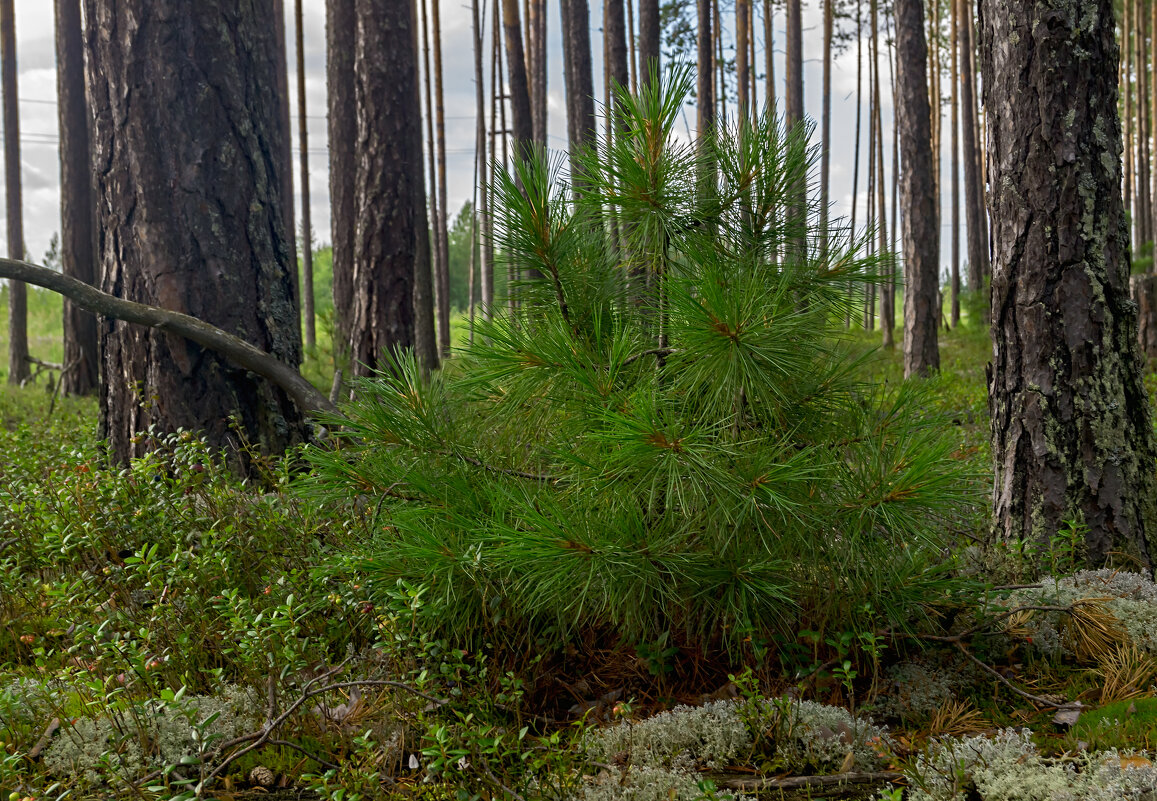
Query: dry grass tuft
[1127,672]
[957,719]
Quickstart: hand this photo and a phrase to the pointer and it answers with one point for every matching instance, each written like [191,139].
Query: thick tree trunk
[307,312]
[650,64]
[973,191]
[393,310]
[917,194]
[340,33]
[1072,436]
[17,292]
[77,235]
[187,143]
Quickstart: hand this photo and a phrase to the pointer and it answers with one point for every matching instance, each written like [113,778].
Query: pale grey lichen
[648,783]
[153,735]
[1008,767]
[708,736]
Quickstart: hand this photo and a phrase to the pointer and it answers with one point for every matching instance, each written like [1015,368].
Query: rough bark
[17,292]
[917,194]
[340,32]
[241,353]
[306,217]
[77,234]
[650,64]
[1072,438]
[973,192]
[392,310]
[188,152]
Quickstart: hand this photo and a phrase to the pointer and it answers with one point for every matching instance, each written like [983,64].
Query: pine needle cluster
[663,434]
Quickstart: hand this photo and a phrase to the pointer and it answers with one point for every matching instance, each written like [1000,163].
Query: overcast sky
[37,90]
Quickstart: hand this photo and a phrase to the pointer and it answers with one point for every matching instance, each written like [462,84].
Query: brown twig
[1036,699]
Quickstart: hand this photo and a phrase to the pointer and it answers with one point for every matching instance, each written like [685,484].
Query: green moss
[1131,723]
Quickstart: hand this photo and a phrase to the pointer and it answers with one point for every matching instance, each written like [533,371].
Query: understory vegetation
[667,530]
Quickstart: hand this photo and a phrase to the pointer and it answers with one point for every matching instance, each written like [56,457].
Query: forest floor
[158,620]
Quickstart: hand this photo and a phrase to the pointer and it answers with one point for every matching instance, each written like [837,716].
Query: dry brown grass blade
[1127,672]
[1091,631]
[956,719]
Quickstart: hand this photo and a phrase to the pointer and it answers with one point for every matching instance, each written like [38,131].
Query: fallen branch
[834,781]
[233,348]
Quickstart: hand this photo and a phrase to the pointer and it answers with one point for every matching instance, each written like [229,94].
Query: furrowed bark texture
[77,235]
[189,149]
[391,243]
[340,29]
[1071,431]
[917,193]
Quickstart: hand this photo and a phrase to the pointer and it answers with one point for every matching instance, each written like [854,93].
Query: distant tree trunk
[442,280]
[917,194]
[1072,436]
[705,77]
[436,212]
[633,43]
[1144,293]
[859,106]
[826,128]
[189,177]
[286,153]
[752,71]
[973,191]
[1144,214]
[580,86]
[392,277]
[615,32]
[795,109]
[955,160]
[887,287]
[536,67]
[340,35]
[18,368]
[1152,123]
[649,36]
[486,266]
[742,76]
[306,222]
[77,236]
[521,123]
[769,54]
[720,63]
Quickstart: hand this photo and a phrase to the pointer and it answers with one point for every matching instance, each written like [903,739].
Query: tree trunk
[769,55]
[955,159]
[794,62]
[1072,437]
[392,276]
[1143,289]
[535,43]
[340,35]
[649,54]
[306,222]
[1127,88]
[615,31]
[436,213]
[917,194]
[18,368]
[705,76]
[742,76]
[187,148]
[523,127]
[77,235]
[486,266]
[973,191]
[580,85]
[1143,207]
[826,127]
[440,225]
[1152,123]
[286,153]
